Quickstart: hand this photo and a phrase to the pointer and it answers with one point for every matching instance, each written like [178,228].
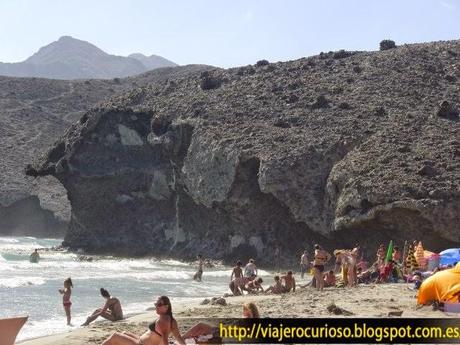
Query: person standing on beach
[320,259]
[396,256]
[199,273]
[304,264]
[111,310]
[250,271]
[66,292]
[237,280]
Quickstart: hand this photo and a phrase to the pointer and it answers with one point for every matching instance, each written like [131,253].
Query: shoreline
[371,301]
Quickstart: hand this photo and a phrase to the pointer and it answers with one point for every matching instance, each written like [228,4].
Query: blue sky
[224,33]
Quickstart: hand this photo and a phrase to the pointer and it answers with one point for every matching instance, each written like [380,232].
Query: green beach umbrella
[389,252]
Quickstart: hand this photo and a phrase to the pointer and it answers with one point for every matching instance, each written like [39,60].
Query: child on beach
[66,292]
[277,288]
[254,286]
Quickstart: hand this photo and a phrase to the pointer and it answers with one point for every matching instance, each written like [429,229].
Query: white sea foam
[21,281]
[137,282]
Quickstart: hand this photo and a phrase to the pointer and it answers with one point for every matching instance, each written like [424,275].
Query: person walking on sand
[304,264]
[250,271]
[158,332]
[111,310]
[199,272]
[66,292]
[320,259]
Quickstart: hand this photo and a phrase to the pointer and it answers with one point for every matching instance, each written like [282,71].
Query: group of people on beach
[247,280]
[354,270]
[166,325]
[111,310]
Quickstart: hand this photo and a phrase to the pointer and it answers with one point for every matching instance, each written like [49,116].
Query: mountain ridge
[69,58]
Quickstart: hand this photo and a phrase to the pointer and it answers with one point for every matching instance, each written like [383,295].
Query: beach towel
[9,329]
[443,286]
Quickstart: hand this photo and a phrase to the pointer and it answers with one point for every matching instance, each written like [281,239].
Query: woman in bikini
[66,292]
[321,258]
[158,332]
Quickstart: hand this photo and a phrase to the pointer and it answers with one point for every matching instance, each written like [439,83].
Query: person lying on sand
[111,310]
[289,281]
[158,332]
[205,332]
[277,288]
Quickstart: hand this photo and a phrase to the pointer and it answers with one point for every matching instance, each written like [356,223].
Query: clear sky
[224,33]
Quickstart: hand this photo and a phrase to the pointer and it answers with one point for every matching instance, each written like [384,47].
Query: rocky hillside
[69,58]
[33,114]
[336,148]
[152,61]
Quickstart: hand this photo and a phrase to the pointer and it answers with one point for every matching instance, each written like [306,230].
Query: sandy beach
[362,301]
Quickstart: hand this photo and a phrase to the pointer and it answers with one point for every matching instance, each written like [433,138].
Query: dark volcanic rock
[185,169]
[33,113]
[387,44]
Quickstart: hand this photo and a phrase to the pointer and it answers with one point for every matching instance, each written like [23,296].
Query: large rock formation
[336,148]
[33,114]
[69,58]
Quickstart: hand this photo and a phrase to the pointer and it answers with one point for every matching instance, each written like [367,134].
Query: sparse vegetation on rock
[387,44]
[243,166]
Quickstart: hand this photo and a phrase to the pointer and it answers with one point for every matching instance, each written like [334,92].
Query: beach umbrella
[450,256]
[411,263]
[419,255]
[389,252]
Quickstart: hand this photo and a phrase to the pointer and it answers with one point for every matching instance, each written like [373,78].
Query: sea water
[32,288]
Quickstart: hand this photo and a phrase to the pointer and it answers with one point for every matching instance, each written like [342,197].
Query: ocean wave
[21,281]
[8,240]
